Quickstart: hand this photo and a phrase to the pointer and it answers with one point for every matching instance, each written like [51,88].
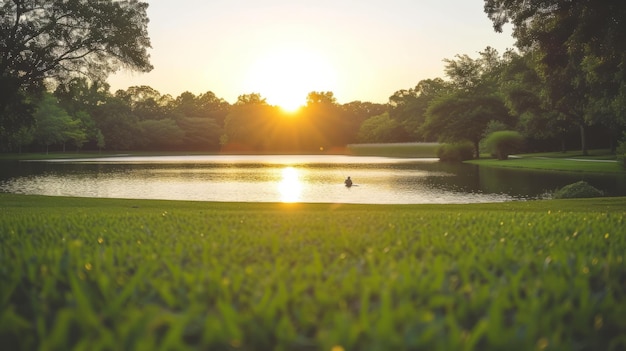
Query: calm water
[378,180]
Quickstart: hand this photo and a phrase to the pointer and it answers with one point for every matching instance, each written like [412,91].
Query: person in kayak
[348,182]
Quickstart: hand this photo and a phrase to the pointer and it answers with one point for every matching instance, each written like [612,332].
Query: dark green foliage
[577,190]
[378,129]
[56,40]
[580,47]
[459,117]
[503,143]
[456,152]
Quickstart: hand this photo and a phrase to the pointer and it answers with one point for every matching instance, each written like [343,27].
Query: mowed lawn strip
[81,273]
[555,164]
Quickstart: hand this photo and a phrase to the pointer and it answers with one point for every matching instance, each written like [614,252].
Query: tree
[54,125]
[323,122]
[57,40]
[522,89]
[117,123]
[356,112]
[81,98]
[378,129]
[408,107]
[581,48]
[472,103]
[248,125]
[459,117]
[145,102]
[161,133]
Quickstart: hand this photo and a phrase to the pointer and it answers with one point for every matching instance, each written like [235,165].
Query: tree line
[564,86]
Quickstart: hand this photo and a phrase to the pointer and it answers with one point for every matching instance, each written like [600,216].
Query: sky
[284,49]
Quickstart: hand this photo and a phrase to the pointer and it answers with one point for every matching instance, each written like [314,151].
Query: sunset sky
[283,49]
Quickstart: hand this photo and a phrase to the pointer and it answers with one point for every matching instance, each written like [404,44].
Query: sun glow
[290,187]
[286,76]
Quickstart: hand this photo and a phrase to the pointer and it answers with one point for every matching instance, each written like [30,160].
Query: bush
[577,190]
[503,143]
[456,152]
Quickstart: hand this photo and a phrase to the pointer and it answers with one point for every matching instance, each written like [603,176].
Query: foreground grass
[143,275]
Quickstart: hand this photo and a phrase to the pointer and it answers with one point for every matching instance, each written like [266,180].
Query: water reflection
[290,186]
[289,179]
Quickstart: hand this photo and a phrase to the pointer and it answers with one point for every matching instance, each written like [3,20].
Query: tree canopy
[581,50]
[57,40]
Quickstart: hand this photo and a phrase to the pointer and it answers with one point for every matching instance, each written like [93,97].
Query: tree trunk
[583,140]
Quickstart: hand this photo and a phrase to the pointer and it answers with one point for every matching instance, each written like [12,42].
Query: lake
[289,178]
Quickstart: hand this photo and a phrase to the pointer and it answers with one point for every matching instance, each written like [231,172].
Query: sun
[286,76]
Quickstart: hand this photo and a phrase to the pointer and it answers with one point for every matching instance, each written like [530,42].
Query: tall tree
[81,97]
[474,102]
[55,126]
[459,117]
[324,124]
[60,39]
[248,125]
[408,107]
[581,46]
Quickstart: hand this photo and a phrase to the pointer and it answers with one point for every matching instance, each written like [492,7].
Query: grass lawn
[598,161]
[107,274]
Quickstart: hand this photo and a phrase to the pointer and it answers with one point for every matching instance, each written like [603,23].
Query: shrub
[456,152]
[503,143]
[577,190]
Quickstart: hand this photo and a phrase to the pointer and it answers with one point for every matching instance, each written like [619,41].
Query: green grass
[573,162]
[107,274]
[595,154]
[394,149]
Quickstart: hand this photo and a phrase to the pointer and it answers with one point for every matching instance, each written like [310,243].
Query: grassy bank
[598,161]
[144,275]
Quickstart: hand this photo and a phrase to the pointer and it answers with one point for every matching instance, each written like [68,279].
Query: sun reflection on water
[290,186]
